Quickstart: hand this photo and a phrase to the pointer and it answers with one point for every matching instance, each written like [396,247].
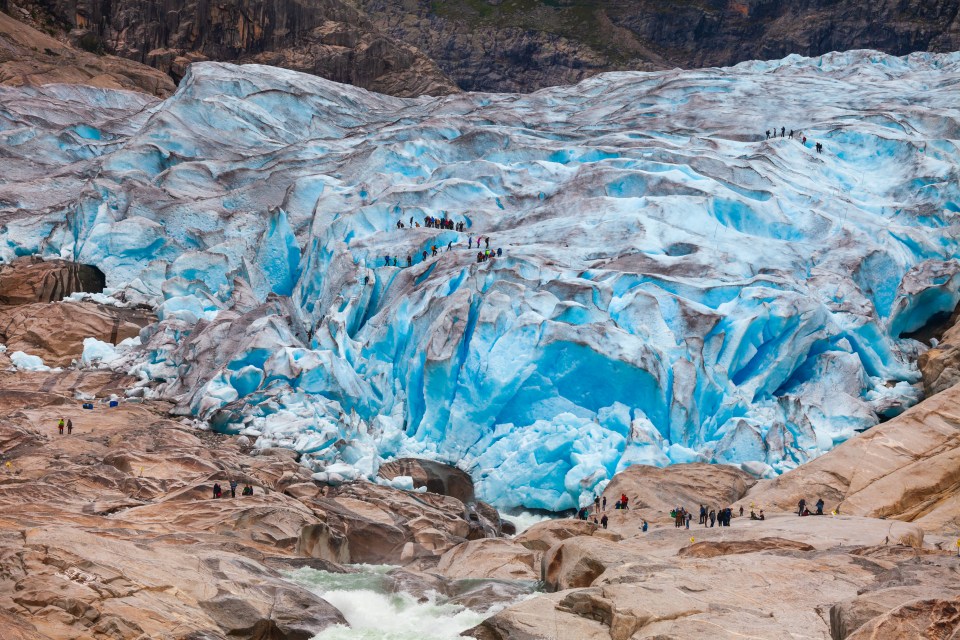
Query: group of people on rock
[68,424]
[802,509]
[793,135]
[444,223]
[720,517]
[218,490]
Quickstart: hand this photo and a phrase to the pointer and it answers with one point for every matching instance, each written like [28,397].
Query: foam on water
[375,613]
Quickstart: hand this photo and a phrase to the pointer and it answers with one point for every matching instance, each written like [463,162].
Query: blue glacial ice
[674,286]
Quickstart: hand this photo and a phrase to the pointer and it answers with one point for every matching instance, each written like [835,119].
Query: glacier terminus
[675,284]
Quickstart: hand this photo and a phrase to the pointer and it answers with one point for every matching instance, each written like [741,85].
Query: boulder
[491,558]
[29,280]
[577,562]
[653,491]
[437,477]
[543,535]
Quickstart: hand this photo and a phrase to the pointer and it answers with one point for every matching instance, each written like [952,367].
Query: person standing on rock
[233,488]
[689,518]
[596,504]
[703,515]
[713,517]
[820,507]
[69,426]
[603,521]
[801,506]
[623,501]
[217,491]
[741,511]
[60,426]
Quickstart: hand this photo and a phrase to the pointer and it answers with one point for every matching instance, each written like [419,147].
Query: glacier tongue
[674,286]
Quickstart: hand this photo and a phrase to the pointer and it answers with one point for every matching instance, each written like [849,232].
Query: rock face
[435,476]
[28,280]
[328,38]
[30,57]
[907,468]
[56,332]
[526,46]
[940,366]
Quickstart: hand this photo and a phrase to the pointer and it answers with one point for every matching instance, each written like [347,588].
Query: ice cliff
[673,286]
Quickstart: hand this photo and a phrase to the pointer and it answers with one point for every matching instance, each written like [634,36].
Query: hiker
[623,501]
[804,140]
[604,503]
[487,240]
[424,256]
[394,260]
[753,516]
[783,130]
[216,490]
[247,490]
[479,256]
[741,511]
[434,250]
[703,515]
[644,527]
[499,252]
[450,245]
[713,516]
[603,521]
[596,504]
[60,426]
[470,242]
[768,133]
[791,134]
[762,517]
[820,507]
[70,428]
[409,260]
[411,221]
[399,224]
[800,506]
[233,488]
[689,518]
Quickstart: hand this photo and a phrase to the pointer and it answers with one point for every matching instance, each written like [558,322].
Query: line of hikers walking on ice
[483,254]
[681,517]
[794,135]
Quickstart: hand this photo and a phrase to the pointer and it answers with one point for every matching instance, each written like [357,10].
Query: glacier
[674,285]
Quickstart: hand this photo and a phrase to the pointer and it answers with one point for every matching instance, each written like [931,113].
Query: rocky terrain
[328,38]
[523,45]
[30,57]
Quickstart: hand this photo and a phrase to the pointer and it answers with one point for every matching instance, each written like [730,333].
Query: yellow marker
[958,542]
[834,512]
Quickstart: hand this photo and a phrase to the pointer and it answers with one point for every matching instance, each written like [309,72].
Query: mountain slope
[323,37]
[29,57]
[523,45]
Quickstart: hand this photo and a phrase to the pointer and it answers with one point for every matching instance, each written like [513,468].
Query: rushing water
[375,613]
